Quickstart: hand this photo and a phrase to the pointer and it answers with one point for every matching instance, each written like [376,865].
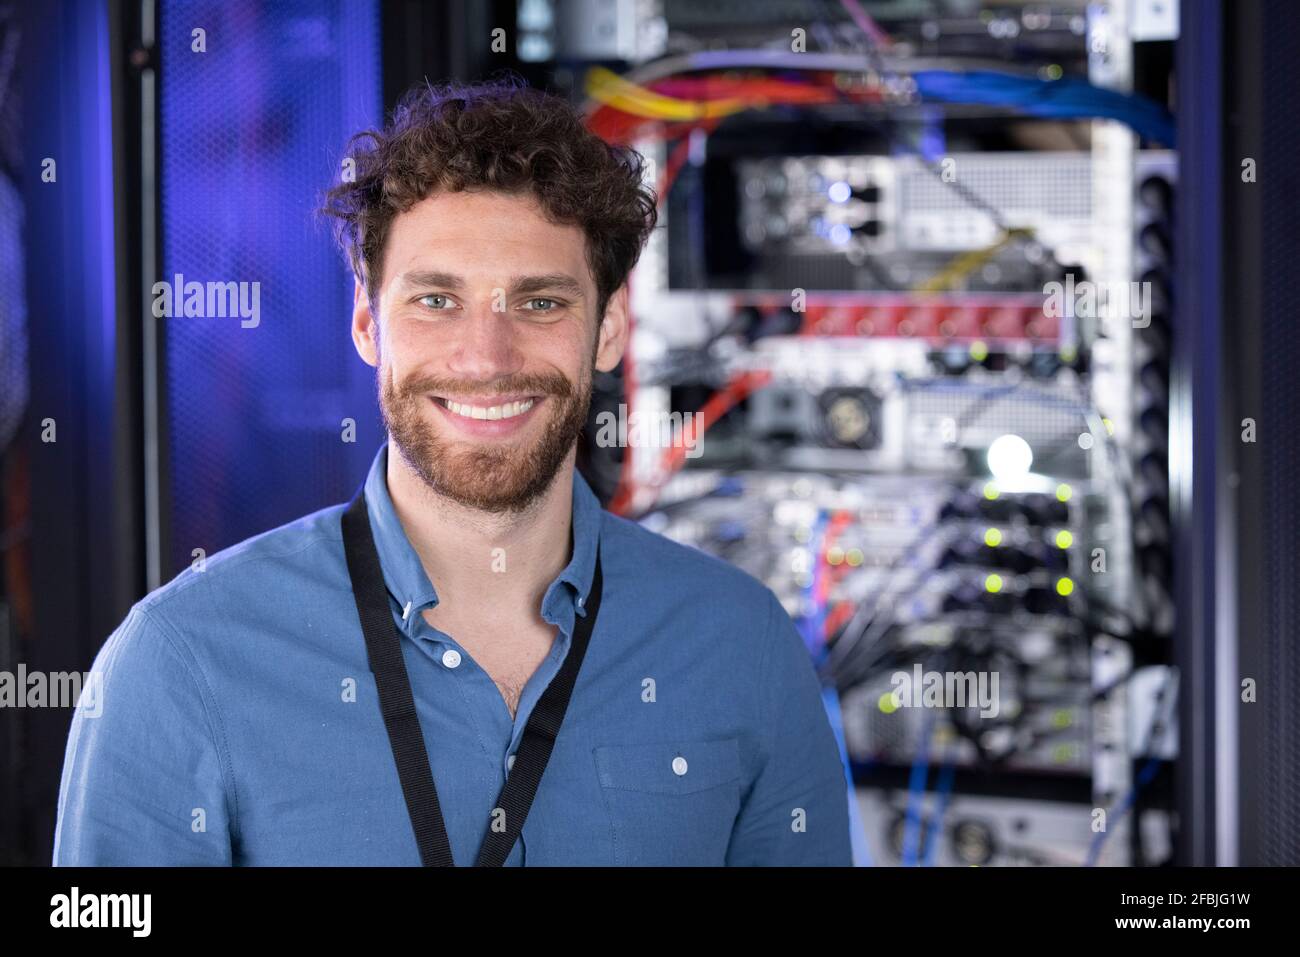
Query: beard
[502,478]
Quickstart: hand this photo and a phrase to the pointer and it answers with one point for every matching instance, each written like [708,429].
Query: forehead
[484,235]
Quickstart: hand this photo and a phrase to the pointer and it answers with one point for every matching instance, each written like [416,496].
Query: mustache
[556,385]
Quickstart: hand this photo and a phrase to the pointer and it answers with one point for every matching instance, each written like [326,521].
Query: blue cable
[1066,98]
[916,792]
[935,833]
[857,829]
[1117,813]
[812,625]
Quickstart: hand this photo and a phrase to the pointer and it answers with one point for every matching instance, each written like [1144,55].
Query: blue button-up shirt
[239,723]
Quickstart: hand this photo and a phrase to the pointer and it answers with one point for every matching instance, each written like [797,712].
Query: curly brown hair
[498,135]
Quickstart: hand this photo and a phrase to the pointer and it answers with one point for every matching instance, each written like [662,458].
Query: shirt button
[581,601]
[679,766]
[510,763]
[451,657]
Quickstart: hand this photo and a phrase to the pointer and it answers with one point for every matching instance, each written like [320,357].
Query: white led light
[1010,457]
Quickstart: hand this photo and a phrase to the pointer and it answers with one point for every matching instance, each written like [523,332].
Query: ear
[365,330]
[613,332]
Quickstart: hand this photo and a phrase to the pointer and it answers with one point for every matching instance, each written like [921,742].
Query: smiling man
[472,662]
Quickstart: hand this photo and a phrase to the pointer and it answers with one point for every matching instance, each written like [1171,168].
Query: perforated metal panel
[1275,762]
[1050,193]
[253,129]
[1057,185]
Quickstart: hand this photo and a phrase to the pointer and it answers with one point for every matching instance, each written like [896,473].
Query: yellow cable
[966,263]
[608,87]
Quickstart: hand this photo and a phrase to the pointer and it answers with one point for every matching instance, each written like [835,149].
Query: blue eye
[432,295]
[554,305]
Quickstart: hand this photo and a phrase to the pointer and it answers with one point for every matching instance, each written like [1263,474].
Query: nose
[485,346]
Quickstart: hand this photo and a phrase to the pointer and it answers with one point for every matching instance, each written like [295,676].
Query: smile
[507,410]
[493,417]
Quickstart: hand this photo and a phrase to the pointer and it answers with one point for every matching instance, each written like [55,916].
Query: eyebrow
[519,285]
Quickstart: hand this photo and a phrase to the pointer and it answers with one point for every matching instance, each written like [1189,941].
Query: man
[357,686]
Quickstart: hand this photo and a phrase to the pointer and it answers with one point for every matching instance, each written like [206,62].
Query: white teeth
[507,411]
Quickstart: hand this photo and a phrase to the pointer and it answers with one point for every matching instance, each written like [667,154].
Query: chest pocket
[671,804]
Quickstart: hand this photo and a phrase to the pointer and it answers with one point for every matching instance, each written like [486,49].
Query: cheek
[403,348]
[570,355]
[570,349]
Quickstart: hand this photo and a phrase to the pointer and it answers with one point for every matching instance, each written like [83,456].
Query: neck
[493,565]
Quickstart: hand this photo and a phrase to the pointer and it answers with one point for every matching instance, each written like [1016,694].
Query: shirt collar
[410,586]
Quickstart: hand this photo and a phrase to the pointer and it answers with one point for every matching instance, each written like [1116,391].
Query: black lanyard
[397,704]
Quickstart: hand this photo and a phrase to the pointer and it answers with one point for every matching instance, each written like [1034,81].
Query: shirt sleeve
[144,782]
[796,812]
